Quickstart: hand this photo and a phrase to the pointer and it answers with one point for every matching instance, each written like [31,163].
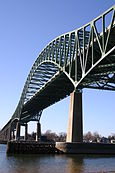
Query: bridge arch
[79,55]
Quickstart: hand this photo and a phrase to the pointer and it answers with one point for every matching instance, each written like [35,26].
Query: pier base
[30,147]
[85,148]
[14,147]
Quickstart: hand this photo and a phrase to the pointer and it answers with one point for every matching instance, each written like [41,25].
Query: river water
[55,163]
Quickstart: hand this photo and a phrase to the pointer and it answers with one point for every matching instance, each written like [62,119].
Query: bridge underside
[58,88]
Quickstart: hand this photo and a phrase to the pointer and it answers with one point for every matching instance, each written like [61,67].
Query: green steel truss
[83,58]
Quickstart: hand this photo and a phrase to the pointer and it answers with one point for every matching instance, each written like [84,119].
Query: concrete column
[17,131]
[4,135]
[26,131]
[38,132]
[13,134]
[10,133]
[75,129]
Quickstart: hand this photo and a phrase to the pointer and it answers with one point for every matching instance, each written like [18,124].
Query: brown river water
[55,163]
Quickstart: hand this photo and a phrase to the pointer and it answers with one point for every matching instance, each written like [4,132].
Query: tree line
[49,136]
[61,137]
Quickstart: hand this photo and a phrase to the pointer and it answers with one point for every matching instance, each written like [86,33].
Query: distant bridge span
[83,58]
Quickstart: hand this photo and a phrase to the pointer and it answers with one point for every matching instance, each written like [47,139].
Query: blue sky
[26,27]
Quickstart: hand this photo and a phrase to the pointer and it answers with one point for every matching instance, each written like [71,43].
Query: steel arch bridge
[83,58]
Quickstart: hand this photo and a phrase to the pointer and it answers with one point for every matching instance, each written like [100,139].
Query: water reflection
[35,164]
[61,163]
[75,164]
[55,163]
[90,164]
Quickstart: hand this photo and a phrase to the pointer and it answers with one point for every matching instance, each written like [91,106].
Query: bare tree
[88,136]
[33,135]
[62,137]
[96,136]
[51,136]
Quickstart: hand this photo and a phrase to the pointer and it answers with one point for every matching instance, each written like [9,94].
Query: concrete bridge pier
[75,127]
[9,133]
[26,132]
[13,134]
[5,135]
[38,132]
[17,137]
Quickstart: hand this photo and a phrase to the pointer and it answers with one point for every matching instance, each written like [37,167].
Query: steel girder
[83,58]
